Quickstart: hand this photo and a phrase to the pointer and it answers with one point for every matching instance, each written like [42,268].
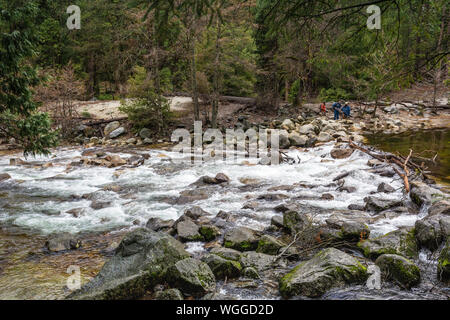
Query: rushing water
[37,201]
[424,144]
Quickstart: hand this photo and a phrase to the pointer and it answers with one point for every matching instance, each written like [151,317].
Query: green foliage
[149,110]
[334,94]
[18,111]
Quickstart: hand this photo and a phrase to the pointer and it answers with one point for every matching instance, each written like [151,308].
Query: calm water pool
[425,144]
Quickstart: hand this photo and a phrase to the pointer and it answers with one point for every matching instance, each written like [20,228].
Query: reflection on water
[425,144]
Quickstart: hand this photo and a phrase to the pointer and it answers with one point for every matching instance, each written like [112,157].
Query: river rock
[284,142]
[257,260]
[222,178]
[288,124]
[110,127]
[145,134]
[421,193]
[192,277]
[114,161]
[443,268]
[269,245]
[158,224]
[385,188]
[298,140]
[294,221]
[195,212]
[341,153]
[273,197]
[139,263]
[441,207]
[187,230]
[401,242]
[242,239]
[428,233]
[209,232]
[62,242]
[306,129]
[188,196]
[400,269]
[324,137]
[328,269]
[118,132]
[277,221]
[169,294]
[223,268]
[354,231]
[4,177]
[378,204]
[226,253]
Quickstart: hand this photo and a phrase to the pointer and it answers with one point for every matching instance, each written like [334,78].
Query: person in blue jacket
[337,109]
[346,110]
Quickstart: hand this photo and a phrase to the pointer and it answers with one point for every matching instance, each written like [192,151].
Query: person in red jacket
[323,108]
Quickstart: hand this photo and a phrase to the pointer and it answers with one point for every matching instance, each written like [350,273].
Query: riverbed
[42,195]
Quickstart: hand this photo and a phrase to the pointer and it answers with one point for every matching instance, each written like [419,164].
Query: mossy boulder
[187,230]
[250,273]
[328,269]
[378,204]
[421,193]
[223,268]
[295,221]
[226,253]
[401,242]
[192,277]
[269,245]
[354,231]
[443,269]
[399,269]
[139,263]
[441,207]
[169,294]
[209,232]
[428,233]
[242,239]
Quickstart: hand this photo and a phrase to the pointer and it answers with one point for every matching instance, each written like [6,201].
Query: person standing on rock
[323,109]
[337,110]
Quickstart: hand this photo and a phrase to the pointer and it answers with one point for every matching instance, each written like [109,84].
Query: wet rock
[440,208]
[242,239]
[209,232]
[115,161]
[294,221]
[277,221]
[324,137]
[377,204]
[118,132]
[307,129]
[384,187]
[158,224]
[226,253]
[136,160]
[328,269]
[223,268]
[356,207]
[421,193]
[269,245]
[222,178]
[288,124]
[273,197]
[63,242]
[399,269]
[286,207]
[341,153]
[401,242]
[354,231]
[98,204]
[4,177]
[374,163]
[169,294]
[347,189]
[327,196]
[251,205]
[428,233]
[192,277]
[110,127]
[298,140]
[139,263]
[284,142]
[195,212]
[443,268]
[188,196]
[187,230]
[259,261]
[250,273]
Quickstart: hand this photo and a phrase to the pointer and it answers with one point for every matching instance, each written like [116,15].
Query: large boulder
[284,142]
[428,233]
[377,204]
[192,277]
[399,269]
[110,127]
[145,134]
[298,140]
[295,221]
[4,177]
[269,245]
[443,268]
[328,269]
[288,124]
[324,137]
[258,261]
[242,239]
[140,262]
[187,230]
[223,268]
[440,208]
[400,242]
[421,193]
[341,153]
[307,129]
[62,242]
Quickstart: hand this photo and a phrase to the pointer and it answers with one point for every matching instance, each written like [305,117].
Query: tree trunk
[215,104]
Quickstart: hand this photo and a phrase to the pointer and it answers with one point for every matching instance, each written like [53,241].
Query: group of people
[338,109]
